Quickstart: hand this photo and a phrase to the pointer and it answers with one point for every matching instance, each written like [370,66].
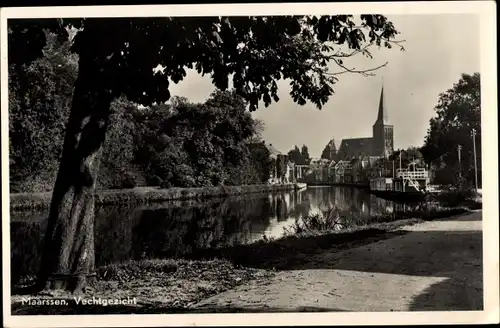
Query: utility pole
[459,147]
[475,159]
[402,176]
[400,153]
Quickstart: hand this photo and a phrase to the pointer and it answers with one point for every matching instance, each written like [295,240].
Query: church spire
[382,111]
[333,146]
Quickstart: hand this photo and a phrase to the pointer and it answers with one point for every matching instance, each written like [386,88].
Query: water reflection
[175,229]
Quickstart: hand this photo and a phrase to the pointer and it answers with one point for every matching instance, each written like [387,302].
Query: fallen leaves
[162,285]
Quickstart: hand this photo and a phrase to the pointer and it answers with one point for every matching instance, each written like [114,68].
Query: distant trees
[281,167]
[201,144]
[176,144]
[39,102]
[305,155]
[261,161]
[458,113]
[118,167]
[295,155]
[407,156]
[40,97]
[299,156]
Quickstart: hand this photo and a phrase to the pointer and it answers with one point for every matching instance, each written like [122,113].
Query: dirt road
[430,266]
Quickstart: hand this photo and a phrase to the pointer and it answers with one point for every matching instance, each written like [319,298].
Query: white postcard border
[486,9]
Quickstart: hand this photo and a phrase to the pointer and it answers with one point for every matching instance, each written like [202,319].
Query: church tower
[383,137]
[333,150]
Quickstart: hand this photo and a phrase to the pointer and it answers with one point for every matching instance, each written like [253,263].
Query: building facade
[381,144]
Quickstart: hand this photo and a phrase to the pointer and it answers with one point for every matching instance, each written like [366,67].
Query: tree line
[458,115]
[174,144]
[115,59]
[448,147]
[299,156]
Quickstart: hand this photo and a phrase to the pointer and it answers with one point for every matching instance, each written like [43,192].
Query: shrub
[316,223]
[333,220]
[128,181]
[456,194]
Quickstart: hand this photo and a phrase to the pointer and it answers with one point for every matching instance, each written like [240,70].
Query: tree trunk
[68,258]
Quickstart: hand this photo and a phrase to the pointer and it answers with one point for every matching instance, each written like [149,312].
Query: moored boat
[300,186]
[410,183]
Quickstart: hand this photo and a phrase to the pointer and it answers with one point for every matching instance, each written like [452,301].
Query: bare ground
[429,266]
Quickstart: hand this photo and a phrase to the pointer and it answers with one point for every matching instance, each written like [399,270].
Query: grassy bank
[144,195]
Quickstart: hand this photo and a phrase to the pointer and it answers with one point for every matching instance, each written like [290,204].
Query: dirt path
[433,266]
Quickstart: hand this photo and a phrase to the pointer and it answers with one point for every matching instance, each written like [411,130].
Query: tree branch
[364,72]
[345,55]
[338,54]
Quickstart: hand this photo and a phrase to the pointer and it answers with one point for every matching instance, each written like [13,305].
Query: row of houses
[354,171]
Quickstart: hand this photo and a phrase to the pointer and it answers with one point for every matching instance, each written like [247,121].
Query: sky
[438,49]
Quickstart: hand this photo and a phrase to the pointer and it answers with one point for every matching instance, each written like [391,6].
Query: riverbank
[399,196]
[430,266]
[144,195]
[175,285]
[339,184]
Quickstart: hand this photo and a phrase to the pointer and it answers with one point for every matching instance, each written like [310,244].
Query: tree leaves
[26,38]
[39,103]
[458,112]
[178,141]
[256,51]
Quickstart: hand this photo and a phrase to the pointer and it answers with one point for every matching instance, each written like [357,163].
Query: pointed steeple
[382,117]
[333,145]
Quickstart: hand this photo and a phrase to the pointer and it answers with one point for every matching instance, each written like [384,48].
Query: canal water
[181,228]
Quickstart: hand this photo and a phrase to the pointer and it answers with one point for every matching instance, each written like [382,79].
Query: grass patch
[333,221]
[159,286]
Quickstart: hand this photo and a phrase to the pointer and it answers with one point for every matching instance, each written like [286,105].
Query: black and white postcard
[264,164]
